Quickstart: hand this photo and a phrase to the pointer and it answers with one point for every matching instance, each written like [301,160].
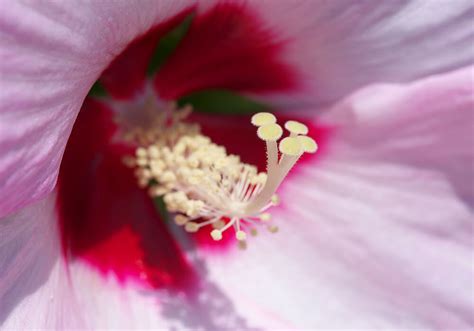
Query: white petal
[34,286]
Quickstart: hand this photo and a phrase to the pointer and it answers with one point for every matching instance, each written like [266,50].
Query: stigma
[202,185]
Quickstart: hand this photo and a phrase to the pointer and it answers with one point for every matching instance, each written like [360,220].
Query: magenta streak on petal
[106,219]
[227,47]
[126,75]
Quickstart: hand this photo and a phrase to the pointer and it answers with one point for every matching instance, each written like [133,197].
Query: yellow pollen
[180,219]
[296,127]
[203,185]
[218,224]
[270,132]
[273,228]
[216,234]
[242,244]
[265,217]
[263,118]
[290,146]
[240,235]
[275,200]
[191,227]
[308,144]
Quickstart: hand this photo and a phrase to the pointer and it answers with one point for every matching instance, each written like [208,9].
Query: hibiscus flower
[375,228]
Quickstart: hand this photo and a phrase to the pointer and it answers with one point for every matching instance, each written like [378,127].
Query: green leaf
[160,207]
[221,102]
[97,90]
[168,44]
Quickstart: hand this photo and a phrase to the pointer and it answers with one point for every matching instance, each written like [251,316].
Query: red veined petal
[226,47]
[107,220]
[126,75]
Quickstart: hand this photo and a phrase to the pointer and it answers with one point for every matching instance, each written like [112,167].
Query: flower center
[204,185]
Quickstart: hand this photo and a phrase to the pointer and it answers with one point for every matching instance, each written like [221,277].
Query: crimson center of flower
[204,185]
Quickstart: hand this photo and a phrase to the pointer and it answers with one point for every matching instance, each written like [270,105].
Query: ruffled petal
[51,53]
[340,46]
[34,286]
[435,116]
[377,233]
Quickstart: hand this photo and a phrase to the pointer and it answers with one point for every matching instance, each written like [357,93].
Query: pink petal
[365,242]
[340,46]
[378,233]
[51,53]
[227,47]
[435,116]
[34,284]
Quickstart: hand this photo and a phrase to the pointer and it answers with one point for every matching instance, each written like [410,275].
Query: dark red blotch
[227,47]
[106,219]
[126,75]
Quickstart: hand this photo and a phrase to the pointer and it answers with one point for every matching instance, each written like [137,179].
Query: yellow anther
[263,118]
[240,235]
[273,228]
[242,244]
[199,180]
[142,162]
[156,191]
[141,152]
[290,146]
[270,132]
[265,217]
[275,200]
[261,178]
[129,161]
[296,127]
[183,112]
[143,182]
[216,234]
[153,151]
[180,219]
[191,227]
[168,176]
[308,144]
[218,224]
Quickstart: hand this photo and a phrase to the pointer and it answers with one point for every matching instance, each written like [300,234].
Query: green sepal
[167,45]
[160,207]
[223,102]
[97,91]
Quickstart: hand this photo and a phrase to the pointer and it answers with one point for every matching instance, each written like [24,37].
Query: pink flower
[375,231]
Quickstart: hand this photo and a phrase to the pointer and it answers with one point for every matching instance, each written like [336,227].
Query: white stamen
[199,180]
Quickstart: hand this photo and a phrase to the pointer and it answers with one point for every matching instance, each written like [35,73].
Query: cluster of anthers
[203,185]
